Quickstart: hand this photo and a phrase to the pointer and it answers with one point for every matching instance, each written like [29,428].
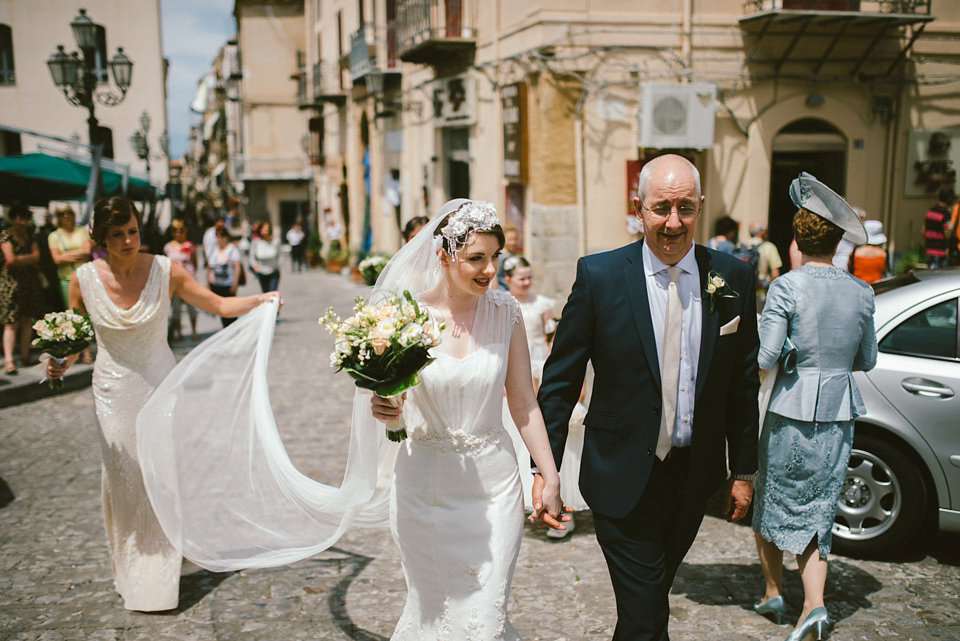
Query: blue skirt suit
[807,433]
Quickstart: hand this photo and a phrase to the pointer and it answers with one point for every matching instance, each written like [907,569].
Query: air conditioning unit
[676,116]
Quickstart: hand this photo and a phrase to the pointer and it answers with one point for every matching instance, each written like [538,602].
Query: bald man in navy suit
[647,478]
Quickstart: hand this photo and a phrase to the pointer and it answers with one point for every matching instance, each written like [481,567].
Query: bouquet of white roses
[384,347]
[370,268]
[61,334]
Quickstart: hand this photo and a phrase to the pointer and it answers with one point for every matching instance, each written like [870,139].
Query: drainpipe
[686,38]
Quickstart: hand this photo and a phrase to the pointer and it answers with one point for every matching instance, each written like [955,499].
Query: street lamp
[76,77]
[141,143]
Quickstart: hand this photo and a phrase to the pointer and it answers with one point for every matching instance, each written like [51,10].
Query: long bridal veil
[215,468]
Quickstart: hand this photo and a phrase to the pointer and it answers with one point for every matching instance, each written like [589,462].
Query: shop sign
[454,101]
[513,99]
[933,156]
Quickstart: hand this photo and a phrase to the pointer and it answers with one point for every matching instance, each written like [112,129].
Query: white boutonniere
[717,288]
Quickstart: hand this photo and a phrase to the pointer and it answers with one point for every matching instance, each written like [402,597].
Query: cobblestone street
[55,580]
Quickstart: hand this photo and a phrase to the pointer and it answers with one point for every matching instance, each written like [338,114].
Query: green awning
[36,179]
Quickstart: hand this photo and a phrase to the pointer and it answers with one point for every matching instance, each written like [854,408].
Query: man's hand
[736,499]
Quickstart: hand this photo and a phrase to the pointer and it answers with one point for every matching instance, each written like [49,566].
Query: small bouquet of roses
[370,268]
[61,334]
[383,347]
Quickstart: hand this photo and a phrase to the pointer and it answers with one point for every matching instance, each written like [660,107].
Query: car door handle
[923,387]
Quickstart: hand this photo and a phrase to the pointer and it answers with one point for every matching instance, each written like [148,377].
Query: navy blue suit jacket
[606,320]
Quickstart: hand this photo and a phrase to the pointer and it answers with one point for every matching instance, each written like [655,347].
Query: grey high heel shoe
[817,620]
[772,608]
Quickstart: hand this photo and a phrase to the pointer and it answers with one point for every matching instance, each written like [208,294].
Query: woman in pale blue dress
[808,429]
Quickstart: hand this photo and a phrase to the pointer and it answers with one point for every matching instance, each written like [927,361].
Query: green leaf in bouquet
[392,388]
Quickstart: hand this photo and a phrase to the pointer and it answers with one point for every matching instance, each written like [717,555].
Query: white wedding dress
[132,359]
[457,514]
[228,496]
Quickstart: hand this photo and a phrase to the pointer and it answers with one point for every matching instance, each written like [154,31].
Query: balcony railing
[921,7]
[861,39]
[435,32]
[372,46]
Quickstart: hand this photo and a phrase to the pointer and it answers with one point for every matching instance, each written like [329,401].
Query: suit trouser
[644,549]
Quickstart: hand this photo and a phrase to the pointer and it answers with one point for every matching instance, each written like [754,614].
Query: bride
[230,498]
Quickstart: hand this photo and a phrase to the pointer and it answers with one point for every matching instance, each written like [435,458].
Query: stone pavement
[55,575]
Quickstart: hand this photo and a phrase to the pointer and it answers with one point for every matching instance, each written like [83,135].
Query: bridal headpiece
[472,216]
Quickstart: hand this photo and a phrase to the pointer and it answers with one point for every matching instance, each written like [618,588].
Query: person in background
[869,262]
[70,246]
[20,297]
[725,238]
[413,226]
[223,269]
[184,253]
[841,258]
[953,236]
[935,224]
[768,262]
[298,248]
[538,323]
[210,238]
[511,248]
[53,300]
[807,431]
[265,257]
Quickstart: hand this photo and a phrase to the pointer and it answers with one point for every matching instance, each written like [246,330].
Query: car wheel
[883,500]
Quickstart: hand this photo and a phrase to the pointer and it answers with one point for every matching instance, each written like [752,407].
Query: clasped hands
[548,508]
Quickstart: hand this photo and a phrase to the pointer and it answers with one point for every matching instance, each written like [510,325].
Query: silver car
[904,471]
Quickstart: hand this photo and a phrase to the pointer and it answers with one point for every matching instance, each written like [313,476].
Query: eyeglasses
[685,212]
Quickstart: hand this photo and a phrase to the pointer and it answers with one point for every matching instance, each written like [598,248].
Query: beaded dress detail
[456,513]
[132,359]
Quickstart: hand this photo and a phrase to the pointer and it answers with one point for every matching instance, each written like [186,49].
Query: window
[10,143]
[316,141]
[7,75]
[931,333]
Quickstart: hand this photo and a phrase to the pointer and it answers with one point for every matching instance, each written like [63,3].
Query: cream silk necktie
[670,374]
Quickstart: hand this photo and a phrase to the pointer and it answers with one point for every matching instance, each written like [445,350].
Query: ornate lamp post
[76,77]
[141,143]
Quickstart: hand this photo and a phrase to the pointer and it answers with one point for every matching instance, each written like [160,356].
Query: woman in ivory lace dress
[459,466]
[127,295]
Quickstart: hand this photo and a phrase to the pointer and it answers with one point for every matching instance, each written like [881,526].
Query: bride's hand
[384,411]
[548,509]
[54,369]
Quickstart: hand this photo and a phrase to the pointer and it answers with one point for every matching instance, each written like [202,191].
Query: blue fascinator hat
[809,193]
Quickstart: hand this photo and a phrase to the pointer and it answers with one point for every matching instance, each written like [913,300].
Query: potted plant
[371,266]
[336,256]
[314,247]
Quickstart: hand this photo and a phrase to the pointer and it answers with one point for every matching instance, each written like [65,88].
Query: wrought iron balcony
[373,47]
[868,6]
[435,32]
[854,39]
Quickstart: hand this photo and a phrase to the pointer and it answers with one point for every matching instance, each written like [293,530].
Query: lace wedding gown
[457,514]
[132,359]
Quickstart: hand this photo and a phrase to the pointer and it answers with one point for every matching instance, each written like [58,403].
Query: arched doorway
[811,145]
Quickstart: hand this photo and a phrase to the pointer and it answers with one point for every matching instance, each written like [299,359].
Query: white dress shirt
[688,286]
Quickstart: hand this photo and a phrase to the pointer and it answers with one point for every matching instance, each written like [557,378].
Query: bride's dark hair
[110,212]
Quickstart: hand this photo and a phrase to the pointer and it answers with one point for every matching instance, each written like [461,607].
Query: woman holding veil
[229,496]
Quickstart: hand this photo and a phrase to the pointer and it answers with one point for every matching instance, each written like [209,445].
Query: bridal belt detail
[457,440]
